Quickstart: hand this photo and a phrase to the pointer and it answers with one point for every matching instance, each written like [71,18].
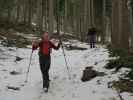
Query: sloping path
[60,87]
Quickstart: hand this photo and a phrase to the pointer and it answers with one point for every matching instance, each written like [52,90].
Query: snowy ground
[61,88]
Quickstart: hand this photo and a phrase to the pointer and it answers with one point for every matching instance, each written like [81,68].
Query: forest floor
[13,73]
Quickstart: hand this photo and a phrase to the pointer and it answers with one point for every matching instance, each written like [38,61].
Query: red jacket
[45,47]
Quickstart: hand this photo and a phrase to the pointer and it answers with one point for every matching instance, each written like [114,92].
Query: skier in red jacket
[45,46]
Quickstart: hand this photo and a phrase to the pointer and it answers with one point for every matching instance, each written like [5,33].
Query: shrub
[124,60]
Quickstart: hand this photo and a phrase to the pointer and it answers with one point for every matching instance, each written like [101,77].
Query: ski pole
[64,54]
[117,91]
[27,74]
[119,94]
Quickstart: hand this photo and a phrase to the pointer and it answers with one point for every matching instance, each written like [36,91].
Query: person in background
[92,37]
[45,46]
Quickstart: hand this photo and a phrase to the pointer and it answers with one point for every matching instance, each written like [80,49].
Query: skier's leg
[48,61]
[91,45]
[42,66]
[45,71]
[91,41]
[45,75]
[44,61]
[94,41]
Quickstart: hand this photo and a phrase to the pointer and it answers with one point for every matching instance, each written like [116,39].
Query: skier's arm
[55,47]
[35,45]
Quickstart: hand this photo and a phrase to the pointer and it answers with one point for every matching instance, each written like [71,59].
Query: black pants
[92,41]
[45,66]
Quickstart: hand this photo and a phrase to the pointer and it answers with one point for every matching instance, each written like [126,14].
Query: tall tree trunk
[25,11]
[57,17]
[103,36]
[115,24]
[92,12]
[82,21]
[120,26]
[51,17]
[40,15]
[131,21]
[66,17]
[124,25]
[30,12]
[9,14]
[18,11]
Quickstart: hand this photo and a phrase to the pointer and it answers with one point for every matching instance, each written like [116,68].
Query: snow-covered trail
[60,87]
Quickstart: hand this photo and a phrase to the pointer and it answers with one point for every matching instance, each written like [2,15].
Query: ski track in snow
[61,88]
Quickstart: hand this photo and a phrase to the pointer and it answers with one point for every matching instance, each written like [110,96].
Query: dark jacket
[92,31]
